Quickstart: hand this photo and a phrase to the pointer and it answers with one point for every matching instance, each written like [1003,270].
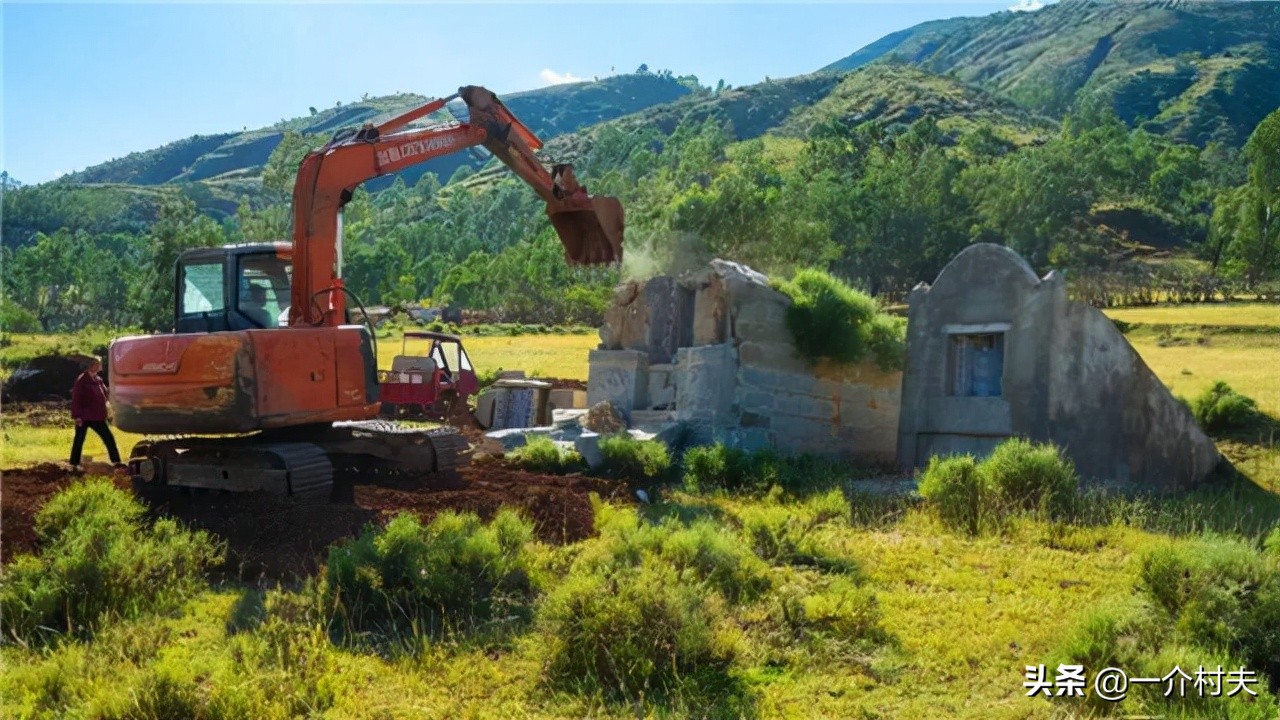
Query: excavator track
[299,462]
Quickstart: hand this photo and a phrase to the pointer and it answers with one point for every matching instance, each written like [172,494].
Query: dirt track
[281,538]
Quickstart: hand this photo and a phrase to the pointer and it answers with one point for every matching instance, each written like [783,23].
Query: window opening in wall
[975,365]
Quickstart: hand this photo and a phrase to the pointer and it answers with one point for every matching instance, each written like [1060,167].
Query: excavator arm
[590,228]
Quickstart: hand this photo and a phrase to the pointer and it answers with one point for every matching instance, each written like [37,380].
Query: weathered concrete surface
[1069,376]
[712,351]
[620,377]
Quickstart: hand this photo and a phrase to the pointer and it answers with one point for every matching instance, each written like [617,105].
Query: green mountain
[1197,71]
[548,111]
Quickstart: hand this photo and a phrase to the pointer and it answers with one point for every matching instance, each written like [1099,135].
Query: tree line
[881,205]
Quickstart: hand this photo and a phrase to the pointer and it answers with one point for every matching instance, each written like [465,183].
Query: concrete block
[710,312]
[567,399]
[662,386]
[704,381]
[620,377]
[660,304]
[773,355]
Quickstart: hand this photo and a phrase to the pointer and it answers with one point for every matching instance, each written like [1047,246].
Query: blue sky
[84,83]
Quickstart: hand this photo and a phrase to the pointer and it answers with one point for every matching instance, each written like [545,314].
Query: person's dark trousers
[104,431]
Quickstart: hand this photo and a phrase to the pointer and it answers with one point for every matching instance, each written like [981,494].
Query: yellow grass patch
[1218,314]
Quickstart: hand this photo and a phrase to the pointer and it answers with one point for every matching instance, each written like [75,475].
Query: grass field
[1212,314]
[956,618]
[560,356]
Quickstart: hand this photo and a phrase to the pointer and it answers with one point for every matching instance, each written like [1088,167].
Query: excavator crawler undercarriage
[306,462]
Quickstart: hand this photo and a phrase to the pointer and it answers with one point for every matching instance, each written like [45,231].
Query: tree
[279,173]
[179,228]
[643,69]
[1245,229]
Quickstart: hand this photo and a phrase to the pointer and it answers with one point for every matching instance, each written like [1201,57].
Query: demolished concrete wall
[712,350]
[993,352]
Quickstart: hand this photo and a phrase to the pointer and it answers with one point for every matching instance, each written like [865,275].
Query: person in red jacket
[89,410]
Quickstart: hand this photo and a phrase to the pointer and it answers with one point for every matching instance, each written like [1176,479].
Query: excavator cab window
[263,295]
[202,303]
[231,288]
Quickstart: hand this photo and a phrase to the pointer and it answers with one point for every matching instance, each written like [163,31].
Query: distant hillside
[790,107]
[1198,71]
[902,94]
[548,111]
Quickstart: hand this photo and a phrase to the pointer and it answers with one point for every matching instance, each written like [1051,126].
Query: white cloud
[551,77]
[1026,5]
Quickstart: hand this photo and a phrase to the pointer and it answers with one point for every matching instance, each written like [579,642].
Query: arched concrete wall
[1069,376]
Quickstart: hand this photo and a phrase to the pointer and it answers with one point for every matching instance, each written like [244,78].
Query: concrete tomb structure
[711,350]
[994,352]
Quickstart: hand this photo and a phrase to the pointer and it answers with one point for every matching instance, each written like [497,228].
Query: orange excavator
[252,401]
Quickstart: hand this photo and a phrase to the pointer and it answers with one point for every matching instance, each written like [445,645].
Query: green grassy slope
[1197,70]
[548,111]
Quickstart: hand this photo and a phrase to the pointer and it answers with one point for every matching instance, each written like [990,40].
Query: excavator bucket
[590,236]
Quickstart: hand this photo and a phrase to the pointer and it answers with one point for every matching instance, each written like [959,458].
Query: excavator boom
[299,399]
[590,228]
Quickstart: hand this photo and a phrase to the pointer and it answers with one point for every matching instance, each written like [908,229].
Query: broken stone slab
[620,377]
[588,446]
[566,418]
[512,438]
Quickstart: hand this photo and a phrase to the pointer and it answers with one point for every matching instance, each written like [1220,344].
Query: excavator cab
[235,287]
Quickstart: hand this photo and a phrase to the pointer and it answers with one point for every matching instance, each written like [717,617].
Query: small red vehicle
[433,385]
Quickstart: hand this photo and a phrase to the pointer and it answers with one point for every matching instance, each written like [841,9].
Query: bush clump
[718,466]
[702,551]
[1219,409]
[1209,603]
[100,559]
[451,573]
[1027,476]
[960,491]
[540,454]
[634,634]
[721,467]
[831,320]
[789,533]
[1222,595]
[1018,476]
[632,459]
[642,612]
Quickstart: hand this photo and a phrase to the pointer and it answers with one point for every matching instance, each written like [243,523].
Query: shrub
[786,533]
[830,320]
[540,454]
[626,457]
[1219,409]
[1222,594]
[960,491]
[840,610]
[1018,476]
[451,573]
[721,467]
[1031,476]
[703,552]
[100,559]
[633,634]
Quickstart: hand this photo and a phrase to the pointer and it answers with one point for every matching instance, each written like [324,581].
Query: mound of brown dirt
[48,377]
[23,491]
[565,383]
[276,537]
[558,505]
